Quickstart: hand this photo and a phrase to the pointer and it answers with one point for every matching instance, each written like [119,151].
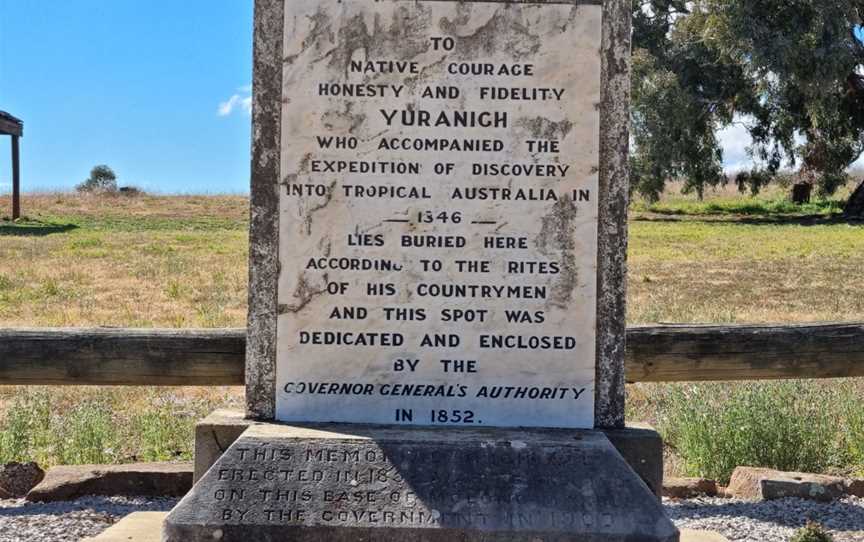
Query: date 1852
[453,416]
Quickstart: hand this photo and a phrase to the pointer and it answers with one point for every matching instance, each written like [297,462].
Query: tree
[102,179]
[789,67]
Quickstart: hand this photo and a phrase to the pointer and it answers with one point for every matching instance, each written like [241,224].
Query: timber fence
[215,357]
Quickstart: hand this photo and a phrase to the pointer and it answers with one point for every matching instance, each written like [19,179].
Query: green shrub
[792,425]
[812,532]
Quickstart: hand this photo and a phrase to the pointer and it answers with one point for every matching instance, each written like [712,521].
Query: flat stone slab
[687,488]
[689,535]
[767,484]
[147,526]
[383,484]
[156,479]
[136,527]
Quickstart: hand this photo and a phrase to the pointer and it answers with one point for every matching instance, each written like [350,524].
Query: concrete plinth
[146,527]
[639,444]
[357,483]
[136,527]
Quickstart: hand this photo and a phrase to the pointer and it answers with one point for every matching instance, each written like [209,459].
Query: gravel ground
[772,521]
[768,521]
[71,521]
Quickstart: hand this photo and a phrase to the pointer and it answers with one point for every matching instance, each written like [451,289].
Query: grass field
[181,262]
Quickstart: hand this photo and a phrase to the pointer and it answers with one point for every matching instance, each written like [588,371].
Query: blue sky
[156,89]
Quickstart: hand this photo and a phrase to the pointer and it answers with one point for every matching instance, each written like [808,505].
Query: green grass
[793,426]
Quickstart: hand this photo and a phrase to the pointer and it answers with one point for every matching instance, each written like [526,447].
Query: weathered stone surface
[316,216]
[356,219]
[642,448]
[804,486]
[614,195]
[264,209]
[151,479]
[136,527]
[745,482]
[767,484]
[214,434]
[639,444]
[686,488]
[855,487]
[387,484]
[16,479]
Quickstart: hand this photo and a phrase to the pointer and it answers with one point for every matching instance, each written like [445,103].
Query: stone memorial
[436,316]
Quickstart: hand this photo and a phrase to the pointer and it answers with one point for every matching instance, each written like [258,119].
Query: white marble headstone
[438,213]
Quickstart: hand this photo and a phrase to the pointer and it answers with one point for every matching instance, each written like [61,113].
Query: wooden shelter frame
[14,127]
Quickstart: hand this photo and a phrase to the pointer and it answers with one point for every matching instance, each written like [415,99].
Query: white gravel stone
[768,521]
[69,521]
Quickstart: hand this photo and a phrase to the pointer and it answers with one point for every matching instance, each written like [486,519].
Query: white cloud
[242,101]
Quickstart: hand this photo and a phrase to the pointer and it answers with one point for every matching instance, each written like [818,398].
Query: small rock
[686,488]
[139,479]
[16,479]
[855,487]
[768,484]
[745,482]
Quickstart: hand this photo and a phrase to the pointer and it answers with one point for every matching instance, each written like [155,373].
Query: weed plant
[812,532]
[69,426]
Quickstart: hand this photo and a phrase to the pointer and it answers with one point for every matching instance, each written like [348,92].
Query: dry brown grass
[181,261]
[95,206]
[139,262]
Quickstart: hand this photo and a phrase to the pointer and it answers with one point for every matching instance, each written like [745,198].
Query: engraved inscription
[380,484]
[438,213]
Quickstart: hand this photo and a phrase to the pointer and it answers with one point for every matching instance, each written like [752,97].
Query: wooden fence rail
[204,357]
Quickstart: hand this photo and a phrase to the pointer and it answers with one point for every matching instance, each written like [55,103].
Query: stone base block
[388,484]
[214,434]
[640,444]
[642,449]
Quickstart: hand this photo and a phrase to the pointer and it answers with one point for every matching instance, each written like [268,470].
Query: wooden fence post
[16,180]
